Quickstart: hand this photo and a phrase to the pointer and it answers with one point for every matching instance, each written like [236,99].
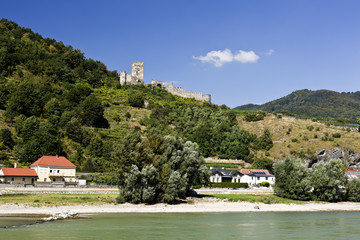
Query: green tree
[353,190]
[136,100]
[292,179]
[6,138]
[92,111]
[327,178]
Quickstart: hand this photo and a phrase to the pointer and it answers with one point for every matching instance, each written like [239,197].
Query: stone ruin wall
[178,91]
[136,77]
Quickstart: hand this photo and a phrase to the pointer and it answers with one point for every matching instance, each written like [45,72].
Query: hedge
[229,185]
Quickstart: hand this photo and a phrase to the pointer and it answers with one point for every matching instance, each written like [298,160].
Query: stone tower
[136,77]
[138,72]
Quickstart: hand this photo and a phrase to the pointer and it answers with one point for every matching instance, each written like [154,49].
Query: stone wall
[187,94]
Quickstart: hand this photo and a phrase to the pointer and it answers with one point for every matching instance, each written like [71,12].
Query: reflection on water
[325,225]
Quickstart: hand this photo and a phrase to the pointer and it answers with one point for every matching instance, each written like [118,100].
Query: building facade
[55,170]
[249,176]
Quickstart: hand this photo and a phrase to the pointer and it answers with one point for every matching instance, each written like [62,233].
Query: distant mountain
[321,103]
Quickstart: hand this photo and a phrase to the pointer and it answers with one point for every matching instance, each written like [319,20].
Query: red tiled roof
[22,172]
[250,171]
[53,161]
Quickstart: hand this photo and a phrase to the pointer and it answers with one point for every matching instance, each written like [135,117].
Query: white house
[250,176]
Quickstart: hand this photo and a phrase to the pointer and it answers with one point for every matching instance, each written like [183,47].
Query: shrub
[353,190]
[230,185]
[265,184]
[336,135]
[310,128]
[294,140]
[254,117]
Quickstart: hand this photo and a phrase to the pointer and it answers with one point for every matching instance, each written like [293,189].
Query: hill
[321,103]
[53,100]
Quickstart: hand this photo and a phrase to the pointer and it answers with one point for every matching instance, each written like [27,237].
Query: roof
[53,161]
[22,172]
[352,174]
[255,171]
[223,172]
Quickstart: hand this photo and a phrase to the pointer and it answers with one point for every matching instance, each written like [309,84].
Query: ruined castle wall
[187,94]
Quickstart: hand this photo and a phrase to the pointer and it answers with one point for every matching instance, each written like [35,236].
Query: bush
[254,117]
[310,128]
[230,185]
[353,190]
[265,184]
[294,140]
[136,100]
[336,135]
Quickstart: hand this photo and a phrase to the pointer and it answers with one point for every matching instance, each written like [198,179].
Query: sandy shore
[206,205]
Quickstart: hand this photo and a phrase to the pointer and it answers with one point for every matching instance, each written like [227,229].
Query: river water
[300,225]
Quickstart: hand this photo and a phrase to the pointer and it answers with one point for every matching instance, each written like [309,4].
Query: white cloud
[218,58]
[270,52]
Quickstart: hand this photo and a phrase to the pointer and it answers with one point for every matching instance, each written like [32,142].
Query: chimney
[14,165]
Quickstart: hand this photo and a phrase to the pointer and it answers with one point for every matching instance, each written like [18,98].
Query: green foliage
[310,128]
[323,182]
[292,179]
[6,138]
[265,184]
[108,178]
[92,112]
[263,163]
[229,185]
[254,117]
[150,172]
[353,190]
[136,100]
[327,178]
[336,135]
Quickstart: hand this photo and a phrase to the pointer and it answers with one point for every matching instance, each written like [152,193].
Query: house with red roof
[55,170]
[24,176]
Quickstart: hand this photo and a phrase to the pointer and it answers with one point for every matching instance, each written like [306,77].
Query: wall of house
[17,180]
[47,173]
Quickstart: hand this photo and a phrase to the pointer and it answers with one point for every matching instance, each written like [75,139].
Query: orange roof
[22,172]
[53,161]
[250,171]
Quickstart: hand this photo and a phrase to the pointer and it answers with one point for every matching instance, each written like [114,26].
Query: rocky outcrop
[351,159]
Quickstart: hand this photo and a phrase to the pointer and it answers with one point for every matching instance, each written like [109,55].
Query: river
[280,225]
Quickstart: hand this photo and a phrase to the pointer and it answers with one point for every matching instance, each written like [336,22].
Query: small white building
[250,176]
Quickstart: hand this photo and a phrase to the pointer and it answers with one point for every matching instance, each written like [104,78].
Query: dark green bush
[336,135]
[230,185]
[265,184]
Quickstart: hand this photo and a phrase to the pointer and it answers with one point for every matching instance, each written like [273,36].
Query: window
[258,178]
[58,171]
[23,179]
[12,179]
[54,179]
[50,171]
[63,179]
[45,179]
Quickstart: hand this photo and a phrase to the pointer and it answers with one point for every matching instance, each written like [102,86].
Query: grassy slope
[283,144]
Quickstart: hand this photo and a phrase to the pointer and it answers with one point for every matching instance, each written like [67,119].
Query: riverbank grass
[40,199]
[267,199]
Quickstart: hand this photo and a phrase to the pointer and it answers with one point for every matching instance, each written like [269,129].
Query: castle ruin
[178,91]
[137,77]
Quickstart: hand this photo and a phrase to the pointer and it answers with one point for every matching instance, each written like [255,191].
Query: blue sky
[238,51]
